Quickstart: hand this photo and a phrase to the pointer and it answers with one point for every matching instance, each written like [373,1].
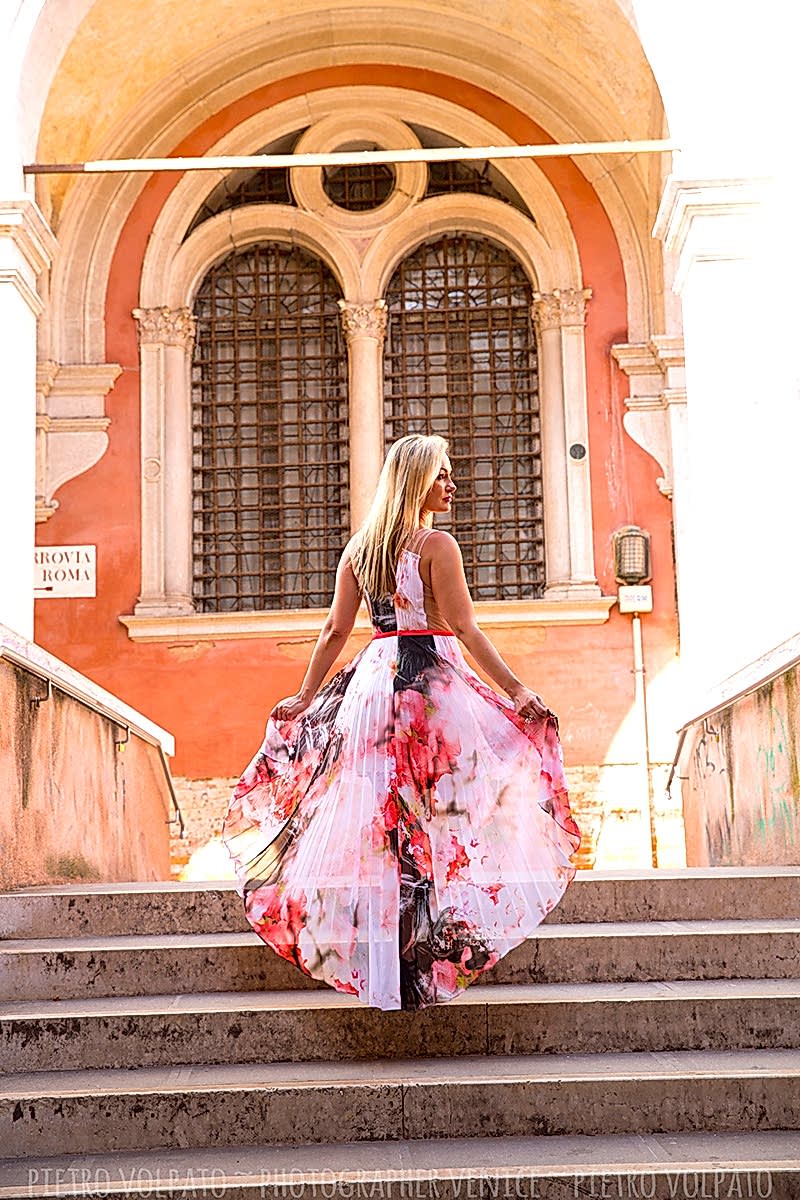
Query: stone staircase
[646,1043]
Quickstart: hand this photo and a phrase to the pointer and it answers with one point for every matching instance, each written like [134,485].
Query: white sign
[64,571]
[638,599]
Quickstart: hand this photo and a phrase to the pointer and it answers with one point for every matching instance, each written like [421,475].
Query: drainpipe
[640,703]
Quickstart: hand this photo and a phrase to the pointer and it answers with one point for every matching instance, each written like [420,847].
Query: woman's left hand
[529,705]
[292,706]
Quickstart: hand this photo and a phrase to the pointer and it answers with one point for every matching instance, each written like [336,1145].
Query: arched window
[461,361]
[270,434]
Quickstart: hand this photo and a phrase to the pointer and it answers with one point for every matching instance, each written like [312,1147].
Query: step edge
[680,991]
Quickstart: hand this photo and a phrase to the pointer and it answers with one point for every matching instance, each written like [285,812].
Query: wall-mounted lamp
[631,555]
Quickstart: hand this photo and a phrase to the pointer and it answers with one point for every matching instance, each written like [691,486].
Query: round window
[358,188]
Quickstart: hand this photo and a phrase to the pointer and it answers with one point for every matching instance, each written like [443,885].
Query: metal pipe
[640,700]
[350,158]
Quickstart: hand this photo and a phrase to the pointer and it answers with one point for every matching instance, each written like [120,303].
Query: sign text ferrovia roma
[64,571]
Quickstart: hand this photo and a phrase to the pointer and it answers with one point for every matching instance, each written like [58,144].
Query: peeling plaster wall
[73,806]
[741,780]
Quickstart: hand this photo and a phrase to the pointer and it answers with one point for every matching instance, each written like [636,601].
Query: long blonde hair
[408,473]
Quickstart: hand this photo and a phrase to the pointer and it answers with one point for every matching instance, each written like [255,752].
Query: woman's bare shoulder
[442,543]
[350,548]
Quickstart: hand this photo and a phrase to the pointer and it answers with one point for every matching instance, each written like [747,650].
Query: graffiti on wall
[741,790]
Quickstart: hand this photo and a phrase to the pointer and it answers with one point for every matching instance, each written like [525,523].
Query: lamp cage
[631,555]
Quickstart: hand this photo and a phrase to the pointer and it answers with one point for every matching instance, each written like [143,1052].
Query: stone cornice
[708,220]
[22,221]
[684,199]
[46,372]
[656,357]
[306,623]
[84,379]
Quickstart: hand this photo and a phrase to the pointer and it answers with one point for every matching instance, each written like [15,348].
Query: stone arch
[163,119]
[173,281]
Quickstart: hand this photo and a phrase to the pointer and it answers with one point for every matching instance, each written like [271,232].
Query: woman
[403,827]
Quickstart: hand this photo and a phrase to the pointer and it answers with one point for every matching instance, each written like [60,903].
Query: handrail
[54,680]
[84,697]
[178,814]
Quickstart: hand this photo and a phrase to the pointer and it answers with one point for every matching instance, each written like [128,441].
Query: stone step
[616,1167]
[714,893]
[77,1112]
[499,1019]
[67,968]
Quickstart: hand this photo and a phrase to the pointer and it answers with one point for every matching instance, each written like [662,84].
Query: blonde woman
[404,826]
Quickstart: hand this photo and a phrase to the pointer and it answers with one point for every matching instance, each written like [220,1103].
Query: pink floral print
[408,829]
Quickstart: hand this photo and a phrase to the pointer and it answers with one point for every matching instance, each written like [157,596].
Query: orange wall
[73,806]
[214,696]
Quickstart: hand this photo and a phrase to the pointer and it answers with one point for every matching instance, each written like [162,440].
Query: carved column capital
[165,326]
[559,308]
[546,311]
[363,320]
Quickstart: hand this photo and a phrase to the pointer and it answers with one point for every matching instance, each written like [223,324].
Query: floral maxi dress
[408,829]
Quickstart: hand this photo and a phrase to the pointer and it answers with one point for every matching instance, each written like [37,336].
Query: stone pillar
[166,337]
[547,322]
[27,247]
[740,576]
[560,317]
[364,326]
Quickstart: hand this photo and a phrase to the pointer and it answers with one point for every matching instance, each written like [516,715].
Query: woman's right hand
[292,706]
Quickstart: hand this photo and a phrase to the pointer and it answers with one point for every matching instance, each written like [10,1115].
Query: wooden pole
[350,158]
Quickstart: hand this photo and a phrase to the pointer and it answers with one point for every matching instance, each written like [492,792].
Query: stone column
[560,317]
[364,326]
[27,247]
[740,576]
[166,337]
[547,322]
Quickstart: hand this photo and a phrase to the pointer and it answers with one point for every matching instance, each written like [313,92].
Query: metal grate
[269,186]
[358,188]
[270,433]
[461,361]
[479,178]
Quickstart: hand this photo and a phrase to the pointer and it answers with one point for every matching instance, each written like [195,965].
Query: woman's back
[413,604]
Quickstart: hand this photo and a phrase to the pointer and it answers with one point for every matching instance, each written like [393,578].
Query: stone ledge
[198,627]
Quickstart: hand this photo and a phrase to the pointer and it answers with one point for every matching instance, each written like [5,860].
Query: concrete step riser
[613,1184]
[323,1035]
[73,974]
[323,1113]
[218,909]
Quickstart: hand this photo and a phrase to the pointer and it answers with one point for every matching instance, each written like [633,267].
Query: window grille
[358,188]
[267,186]
[461,361]
[270,433]
[476,178]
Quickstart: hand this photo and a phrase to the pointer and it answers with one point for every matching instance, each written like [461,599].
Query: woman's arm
[452,597]
[333,635]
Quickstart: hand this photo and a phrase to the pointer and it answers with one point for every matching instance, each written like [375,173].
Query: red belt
[415,633]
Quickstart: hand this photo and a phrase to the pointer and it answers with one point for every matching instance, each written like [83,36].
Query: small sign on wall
[64,571]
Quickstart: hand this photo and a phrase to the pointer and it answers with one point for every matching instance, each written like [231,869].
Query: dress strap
[418,540]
